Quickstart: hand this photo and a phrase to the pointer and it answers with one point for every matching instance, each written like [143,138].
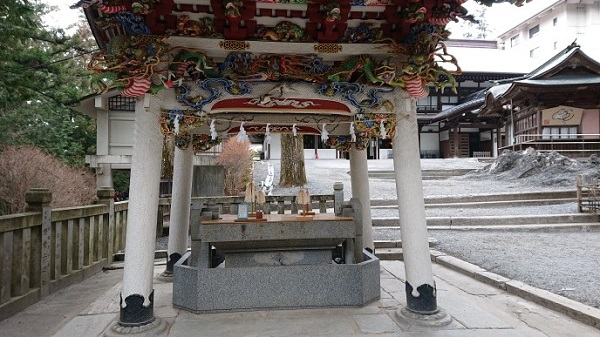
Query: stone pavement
[478,310]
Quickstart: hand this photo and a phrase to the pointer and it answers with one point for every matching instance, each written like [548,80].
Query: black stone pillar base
[425,303]
[410,319]
[167,275]
[135,319]
[134,312]
[422,310]
[156,328]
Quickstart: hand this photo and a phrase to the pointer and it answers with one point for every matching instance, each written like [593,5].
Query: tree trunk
[292,161]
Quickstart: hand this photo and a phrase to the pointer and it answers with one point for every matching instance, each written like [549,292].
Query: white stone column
[495,142]
[359,178]
[137,294]
[104,176]
[420,286]
[180,206]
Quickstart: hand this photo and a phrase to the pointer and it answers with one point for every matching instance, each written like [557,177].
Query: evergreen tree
[478,28]
[42,73]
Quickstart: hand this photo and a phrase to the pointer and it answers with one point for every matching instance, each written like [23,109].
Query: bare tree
[293,172]
[236,159]
[478,27]
[25,167]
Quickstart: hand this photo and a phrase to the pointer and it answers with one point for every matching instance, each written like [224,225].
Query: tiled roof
[533,78]
[563,80]
[458,109]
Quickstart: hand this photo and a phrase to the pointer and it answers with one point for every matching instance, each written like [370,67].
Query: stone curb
[496,220]
[565,195]
[576,310]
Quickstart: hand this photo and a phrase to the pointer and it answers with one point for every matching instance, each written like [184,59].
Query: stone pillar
[420,287]
[338,197]
[137,294]
[456,140]
[180,207]
[104,176]
[38,200]
[359,177]
[106,197]
[496,142]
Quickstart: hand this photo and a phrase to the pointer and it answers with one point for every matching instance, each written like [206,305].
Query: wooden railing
[588,195]
[572,145]
[273,204]
[45,249]
[481,154]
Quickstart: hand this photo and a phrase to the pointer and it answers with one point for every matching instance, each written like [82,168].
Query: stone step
[398,243]
[569,195]
[487,204]
[497,220]
[426,174]
[389,254]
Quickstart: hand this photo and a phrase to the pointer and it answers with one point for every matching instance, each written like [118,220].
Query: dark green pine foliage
[42,72]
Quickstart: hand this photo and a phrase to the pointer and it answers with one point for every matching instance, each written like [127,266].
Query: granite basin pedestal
[283,263]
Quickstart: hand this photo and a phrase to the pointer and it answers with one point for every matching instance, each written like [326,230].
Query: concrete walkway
[477,308]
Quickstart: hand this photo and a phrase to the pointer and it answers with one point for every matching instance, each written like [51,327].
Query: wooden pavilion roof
[149,43]
[211,52]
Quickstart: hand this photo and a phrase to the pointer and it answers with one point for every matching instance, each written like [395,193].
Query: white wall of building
[430,142]
[275,146]
[120,133]
[560,23]
[323,154]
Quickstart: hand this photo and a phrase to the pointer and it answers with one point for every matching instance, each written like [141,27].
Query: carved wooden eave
[349,51]
[400,42]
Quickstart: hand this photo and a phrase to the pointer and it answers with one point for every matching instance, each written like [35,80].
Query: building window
[428,103]
[555,45]
[534,52]
[121,103]
[534,31]
[554,22]
[514,41]
[559,132]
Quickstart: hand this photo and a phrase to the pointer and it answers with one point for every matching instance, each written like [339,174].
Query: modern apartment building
[555,26]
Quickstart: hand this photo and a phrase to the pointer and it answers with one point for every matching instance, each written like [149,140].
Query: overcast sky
[500,17]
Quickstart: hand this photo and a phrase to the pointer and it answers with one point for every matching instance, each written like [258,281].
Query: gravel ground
[323,173]
[563,262]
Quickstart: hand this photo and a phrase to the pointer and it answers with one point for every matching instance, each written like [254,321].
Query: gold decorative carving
[328,48]
[234,45]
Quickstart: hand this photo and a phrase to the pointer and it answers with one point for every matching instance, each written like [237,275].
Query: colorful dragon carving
[283,31]
[144,63]
[200,27]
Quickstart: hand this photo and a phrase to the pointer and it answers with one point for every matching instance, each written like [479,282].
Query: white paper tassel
[352,134]
[176,123]
[268,134]
[303,197]
[324,134]
[382,130]
[250,192]
[213,131]
[261,198]
[294,130]
[241,136]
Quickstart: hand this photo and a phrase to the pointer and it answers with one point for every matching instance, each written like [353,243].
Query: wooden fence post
[106,197]
[38,200]
[579,180]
